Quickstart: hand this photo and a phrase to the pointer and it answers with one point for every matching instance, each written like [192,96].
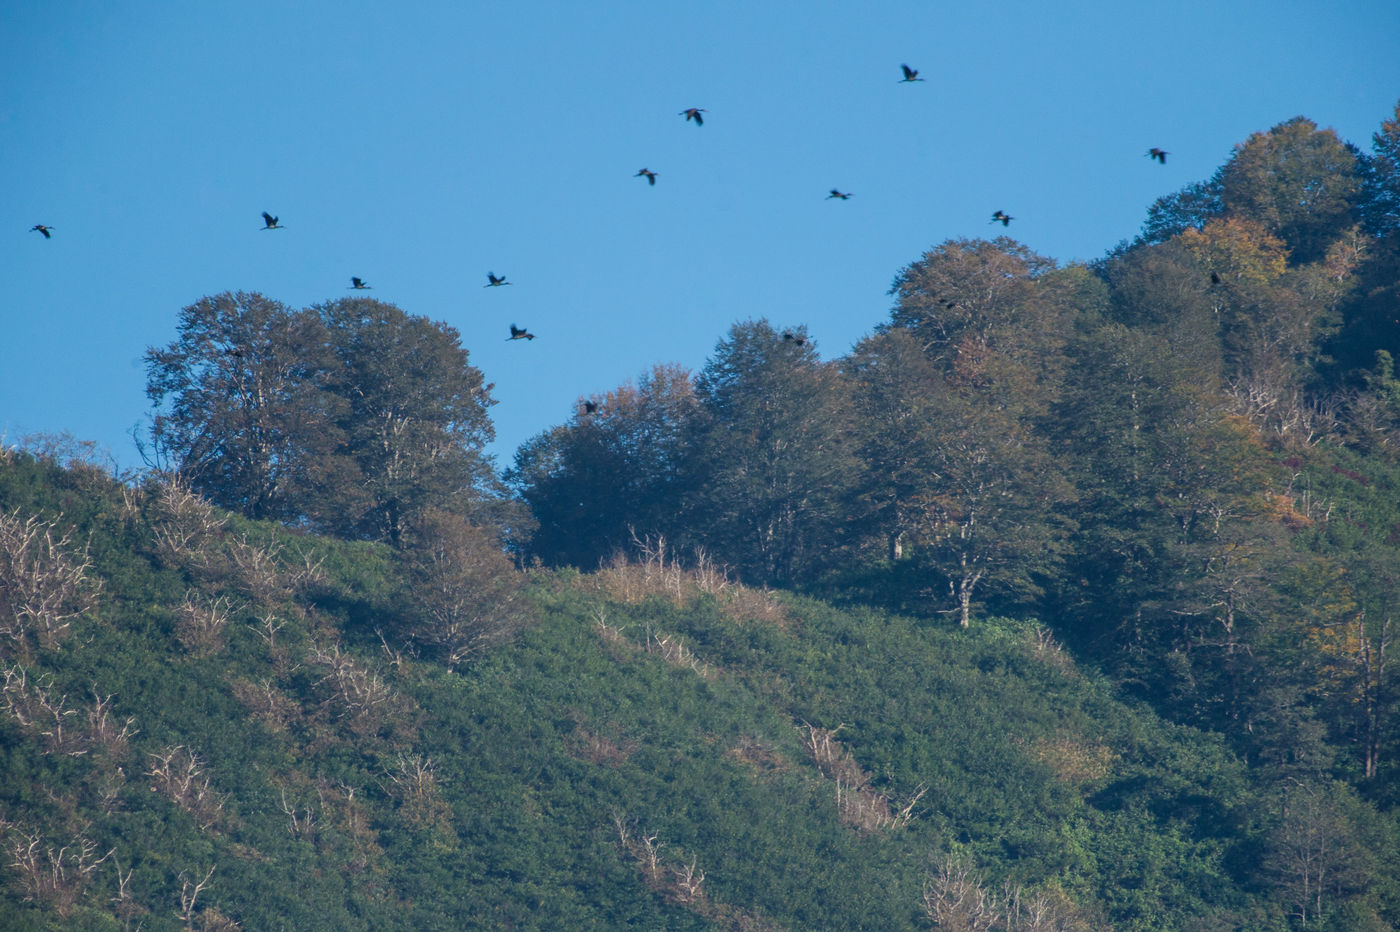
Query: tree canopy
[350,417]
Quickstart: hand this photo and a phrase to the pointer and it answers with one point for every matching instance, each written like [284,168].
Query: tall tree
[351,417]
[773,464]
[414,414]
[241,407]
[1300,182]
[611,474]
[1380,180]
[893,386]
[991,320]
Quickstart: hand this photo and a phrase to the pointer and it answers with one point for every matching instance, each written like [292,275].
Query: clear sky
[419,145]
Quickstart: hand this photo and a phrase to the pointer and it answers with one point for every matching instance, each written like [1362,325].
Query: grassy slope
[529,761]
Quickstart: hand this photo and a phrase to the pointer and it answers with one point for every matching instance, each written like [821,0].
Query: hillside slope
[209,723]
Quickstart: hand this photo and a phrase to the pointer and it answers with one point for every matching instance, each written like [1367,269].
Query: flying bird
[42,229]
[590,407]
[837,194]
[790,337]
[648,174]
[693,113]
[519,333]
[1003,217]
[1214,277]
[494,281]
[910,74]
[270,222]
[358,284]
[1158,154]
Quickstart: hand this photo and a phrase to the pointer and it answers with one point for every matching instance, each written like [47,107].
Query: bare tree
[414,782]
[462,585]
[189,895]
[44,583]
[202,622]
[52,876]
[178,774]
[359,691]
[956,901]
[184,524]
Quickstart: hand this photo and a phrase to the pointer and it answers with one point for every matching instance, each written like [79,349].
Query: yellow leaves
[1239,251]
[1283,509]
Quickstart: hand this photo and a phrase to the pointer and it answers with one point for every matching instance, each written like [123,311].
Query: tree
[1313,853]
[350,417]
[413,414]
[1190,208]
[893,387]
[991,320]
[993,519]
[985,317]
[1380,180]
[1274,319]
[610,475]
[1177,536]
[242,411]
[461,587]
[772,463]
[1300,182]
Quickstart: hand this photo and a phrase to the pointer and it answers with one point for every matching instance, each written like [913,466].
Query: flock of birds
[691,114]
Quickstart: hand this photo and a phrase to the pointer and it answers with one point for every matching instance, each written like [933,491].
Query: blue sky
[420,145]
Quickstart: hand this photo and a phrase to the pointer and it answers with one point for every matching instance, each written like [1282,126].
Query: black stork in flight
[589,407]
[495,281]
[41,228]
[1003,217]
[519,333]
[693,113]
[910,75]
[358,284]
[1158,154]
[270,222]
[837,194]
[648,174]
[790,337]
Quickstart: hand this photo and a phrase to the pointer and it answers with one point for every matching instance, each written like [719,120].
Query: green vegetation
[1088,574]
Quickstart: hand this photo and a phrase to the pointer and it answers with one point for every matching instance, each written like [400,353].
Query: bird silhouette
[590,407]
[837,194]
[42,228]
[519,333]
[648,174]
[693,113]
[495,281]
[270,222]
[358,284]
[1214,277]
[1158,154]
[1003,217]
[790,337]
[910,74]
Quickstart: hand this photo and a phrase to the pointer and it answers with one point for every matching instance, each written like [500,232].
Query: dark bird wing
[909,73]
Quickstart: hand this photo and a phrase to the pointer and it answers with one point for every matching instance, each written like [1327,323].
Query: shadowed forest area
[1064,600]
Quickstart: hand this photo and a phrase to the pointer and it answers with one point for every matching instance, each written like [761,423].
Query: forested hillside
[1064,600]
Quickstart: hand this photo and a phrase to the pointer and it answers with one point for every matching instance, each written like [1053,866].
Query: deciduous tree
[773,464]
